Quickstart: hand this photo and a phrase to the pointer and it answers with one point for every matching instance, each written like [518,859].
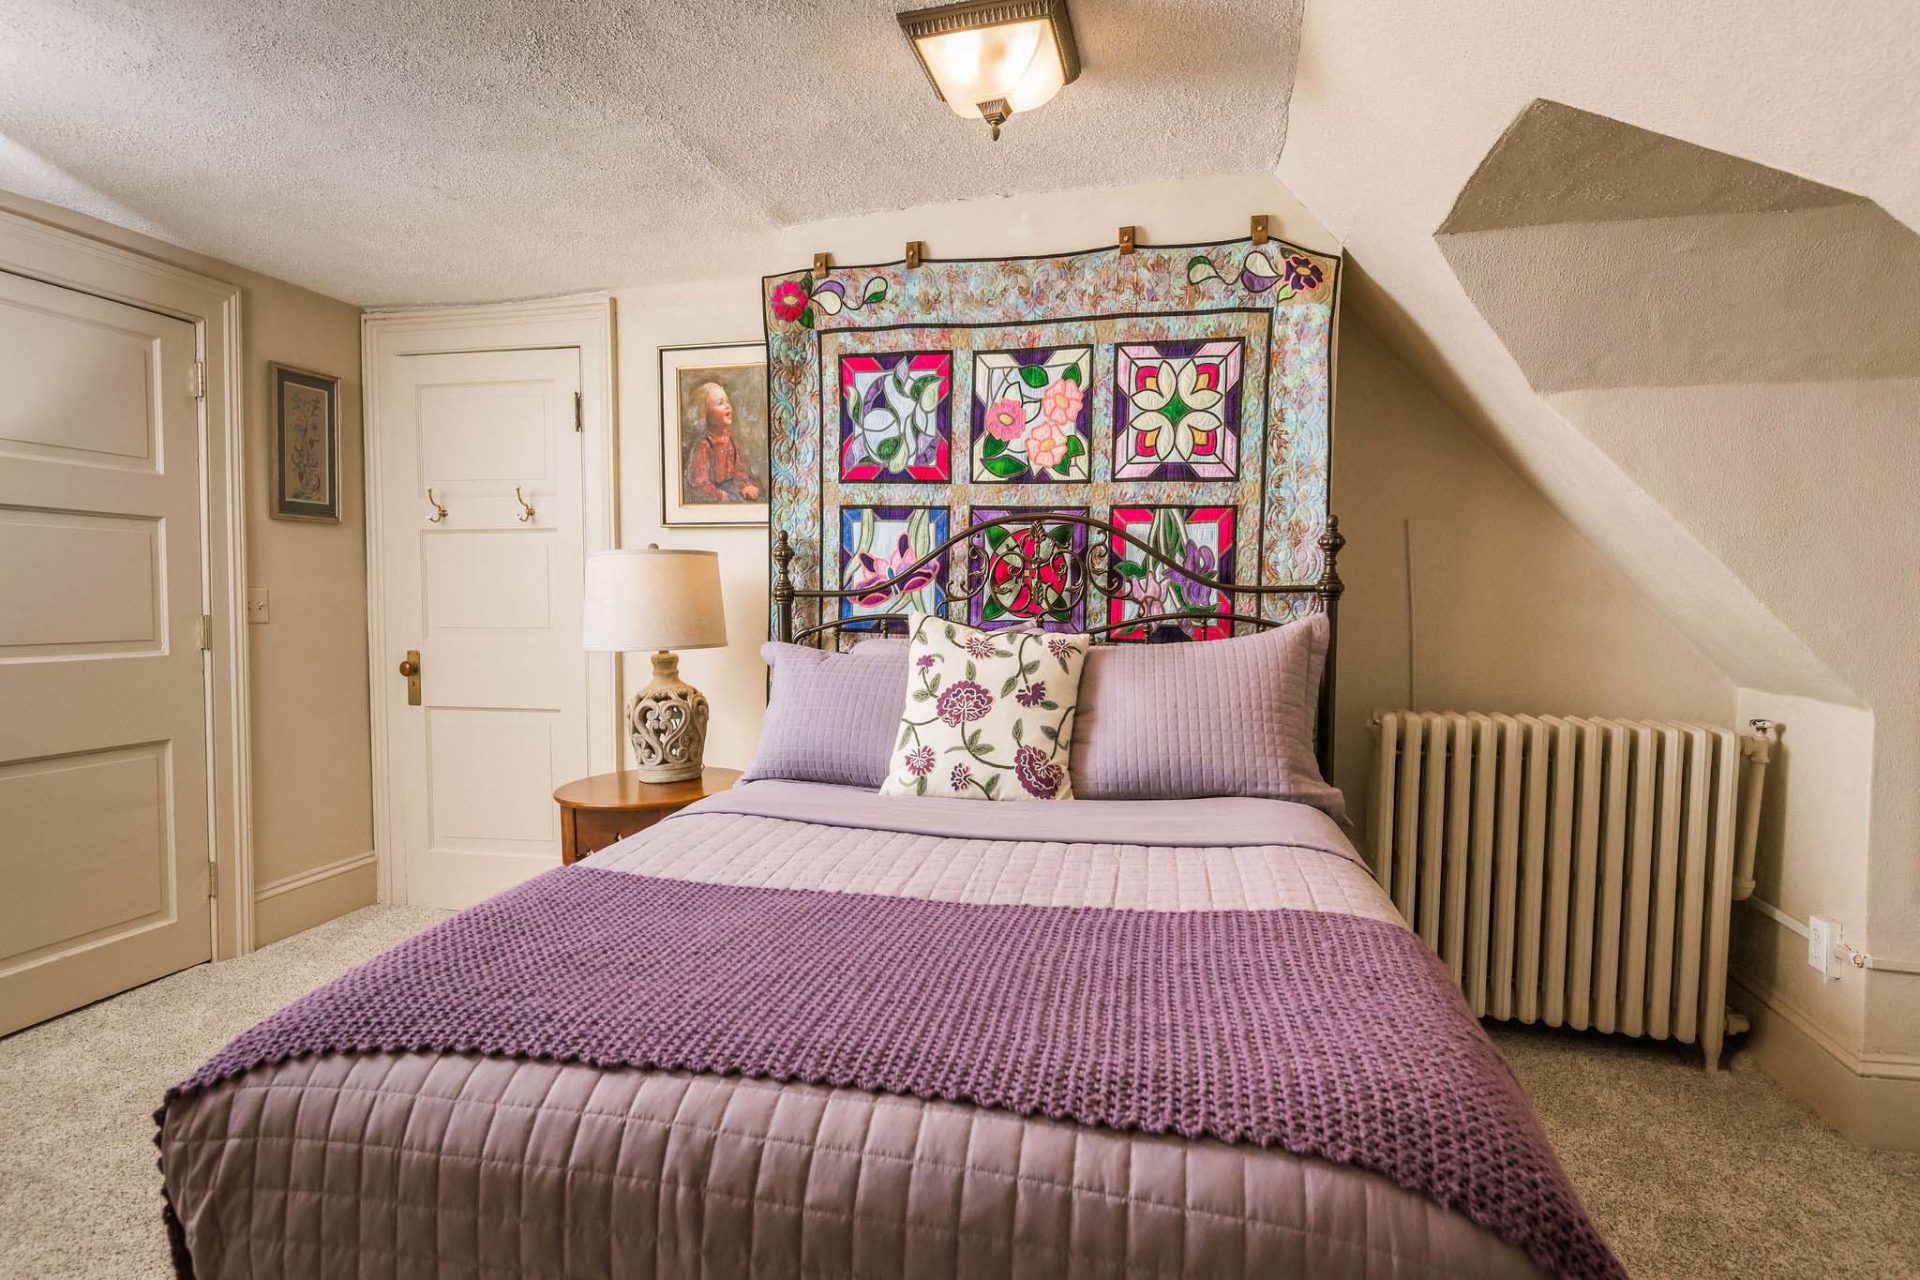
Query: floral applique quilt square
[880,551]
[1177,410]
[1031,570]
[1201,541]
[1030,416]
[896,417]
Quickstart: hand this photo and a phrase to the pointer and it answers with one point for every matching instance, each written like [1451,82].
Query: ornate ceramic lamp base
[668,724]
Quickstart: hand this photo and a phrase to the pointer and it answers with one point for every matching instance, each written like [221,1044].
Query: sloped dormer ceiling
[1682,305]
[447,151]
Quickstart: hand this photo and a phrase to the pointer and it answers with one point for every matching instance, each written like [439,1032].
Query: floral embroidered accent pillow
[989,714]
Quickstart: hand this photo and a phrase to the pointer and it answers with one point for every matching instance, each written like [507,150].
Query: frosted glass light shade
[653,599]
[1016,51]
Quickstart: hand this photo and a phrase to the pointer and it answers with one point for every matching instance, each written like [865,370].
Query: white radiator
[1576,872]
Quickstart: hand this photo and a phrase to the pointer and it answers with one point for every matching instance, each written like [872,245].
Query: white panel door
[490,598]
[104,839]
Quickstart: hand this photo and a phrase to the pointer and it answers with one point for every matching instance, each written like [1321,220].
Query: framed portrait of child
[713,434]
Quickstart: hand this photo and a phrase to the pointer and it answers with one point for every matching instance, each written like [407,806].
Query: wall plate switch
[259,606]
[1823,945]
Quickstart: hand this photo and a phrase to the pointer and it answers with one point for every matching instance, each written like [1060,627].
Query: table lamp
[663,601]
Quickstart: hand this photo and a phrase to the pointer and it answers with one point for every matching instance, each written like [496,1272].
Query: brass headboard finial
[1330,586]
[782,587]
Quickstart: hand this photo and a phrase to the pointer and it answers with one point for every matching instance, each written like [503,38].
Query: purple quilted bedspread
[1324,1034]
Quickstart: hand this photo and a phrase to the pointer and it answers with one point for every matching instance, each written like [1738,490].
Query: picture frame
[713,443]
[304,417]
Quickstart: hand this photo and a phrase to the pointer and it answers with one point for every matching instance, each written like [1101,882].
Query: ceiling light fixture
[989,59]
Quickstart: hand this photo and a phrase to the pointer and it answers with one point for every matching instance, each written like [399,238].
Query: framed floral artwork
[713,434]
[306,444]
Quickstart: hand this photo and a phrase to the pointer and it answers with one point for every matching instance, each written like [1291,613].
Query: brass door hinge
[213,877]
[197,380]
[206,631]
[579,414]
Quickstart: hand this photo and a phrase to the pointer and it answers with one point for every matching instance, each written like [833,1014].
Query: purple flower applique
[962,702]
[979,647]
[1198,561]
[1032,695]
[1058,648]
[1038,775]
[926,660]
[960,778]
[1302,273]
[920,761]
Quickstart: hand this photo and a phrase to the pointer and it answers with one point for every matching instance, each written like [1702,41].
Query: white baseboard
[1872,1098]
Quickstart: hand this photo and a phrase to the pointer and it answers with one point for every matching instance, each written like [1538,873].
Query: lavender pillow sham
[1178,721]
[1218,718]
[831,717]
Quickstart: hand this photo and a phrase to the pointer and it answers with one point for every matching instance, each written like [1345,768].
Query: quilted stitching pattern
[458,1166]
[453,1165]
[1222,718]
[774,853]
[831,717]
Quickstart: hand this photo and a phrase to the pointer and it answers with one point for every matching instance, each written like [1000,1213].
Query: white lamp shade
[1018,61]
[653,599]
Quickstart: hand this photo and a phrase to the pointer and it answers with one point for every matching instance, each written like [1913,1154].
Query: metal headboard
[1075,570]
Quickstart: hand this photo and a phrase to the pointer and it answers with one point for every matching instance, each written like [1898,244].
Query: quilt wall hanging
[1183,393]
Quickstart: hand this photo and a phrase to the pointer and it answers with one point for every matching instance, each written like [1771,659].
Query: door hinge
[579,414]
[213,878]
[206,631]
[197,379]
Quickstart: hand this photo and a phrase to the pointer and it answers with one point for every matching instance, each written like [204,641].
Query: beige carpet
[1688,1176]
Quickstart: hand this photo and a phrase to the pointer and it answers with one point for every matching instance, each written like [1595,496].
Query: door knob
[410,668]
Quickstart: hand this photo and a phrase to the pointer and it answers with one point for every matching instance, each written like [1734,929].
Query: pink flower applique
[1006,419]
[1061,401]
[789,300]
[1046,444]
[920,761]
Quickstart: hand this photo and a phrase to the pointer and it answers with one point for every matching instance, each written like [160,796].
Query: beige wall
[1510,607]
[1759,510]
[312,788]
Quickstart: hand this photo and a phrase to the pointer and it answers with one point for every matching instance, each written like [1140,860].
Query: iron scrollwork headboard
[1058,575]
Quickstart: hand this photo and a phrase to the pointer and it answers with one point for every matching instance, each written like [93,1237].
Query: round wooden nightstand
[596,811]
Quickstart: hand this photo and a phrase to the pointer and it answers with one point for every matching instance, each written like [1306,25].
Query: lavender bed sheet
[454,1164]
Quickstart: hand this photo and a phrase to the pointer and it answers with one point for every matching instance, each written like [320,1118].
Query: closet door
[486,600]
[104,839]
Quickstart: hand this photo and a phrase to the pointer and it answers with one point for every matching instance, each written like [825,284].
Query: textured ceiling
[422,152]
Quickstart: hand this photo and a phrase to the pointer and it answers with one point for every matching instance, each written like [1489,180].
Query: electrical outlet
[1823,945]
[259,606]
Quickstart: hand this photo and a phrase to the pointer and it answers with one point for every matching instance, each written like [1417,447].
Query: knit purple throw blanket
[1325,1034]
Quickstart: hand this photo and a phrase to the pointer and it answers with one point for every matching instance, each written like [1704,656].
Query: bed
[716,1049]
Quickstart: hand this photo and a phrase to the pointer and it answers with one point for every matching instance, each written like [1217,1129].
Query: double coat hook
[439,515]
